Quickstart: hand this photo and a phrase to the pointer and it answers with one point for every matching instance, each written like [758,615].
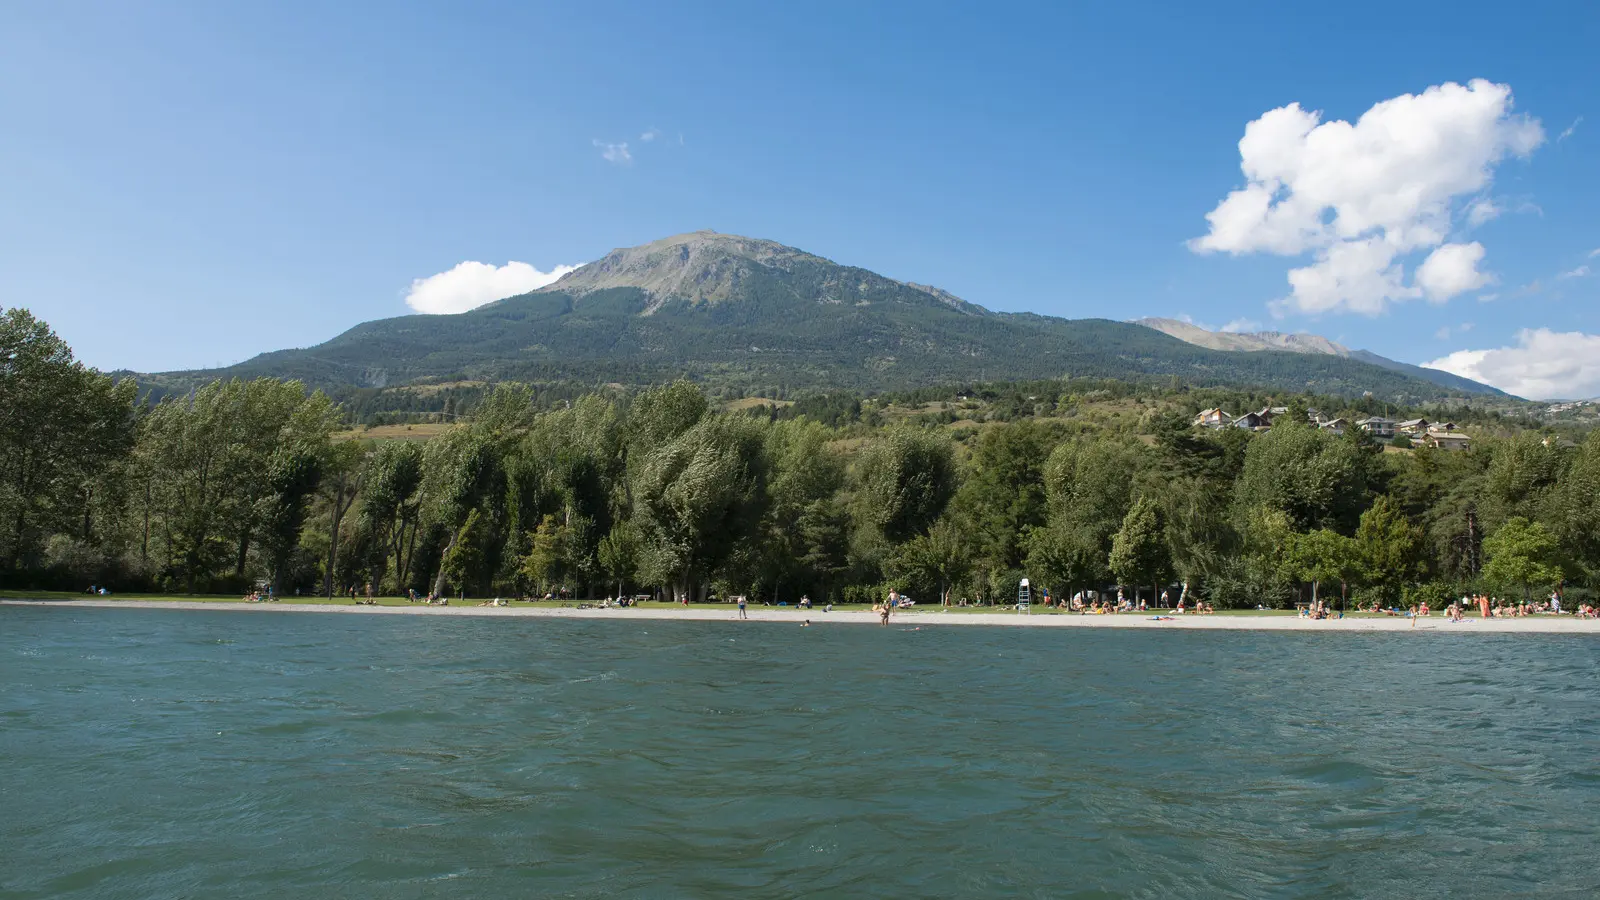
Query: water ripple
[212,754]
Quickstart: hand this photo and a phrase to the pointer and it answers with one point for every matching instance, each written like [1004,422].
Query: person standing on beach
[742,613]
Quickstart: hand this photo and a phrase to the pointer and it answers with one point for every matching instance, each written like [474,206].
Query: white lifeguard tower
[1024,597]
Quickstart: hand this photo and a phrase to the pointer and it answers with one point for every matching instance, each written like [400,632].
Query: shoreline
[1543,624]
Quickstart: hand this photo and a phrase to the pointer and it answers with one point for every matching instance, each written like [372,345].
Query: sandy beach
[1542,624]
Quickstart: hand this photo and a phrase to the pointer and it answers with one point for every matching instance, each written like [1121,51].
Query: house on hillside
[1377,426]
[1334,427]
[1255,421]
[1216,417]
[1414,426]
[1446,440]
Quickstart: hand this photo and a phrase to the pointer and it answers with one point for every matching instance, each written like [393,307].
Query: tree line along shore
[245,485]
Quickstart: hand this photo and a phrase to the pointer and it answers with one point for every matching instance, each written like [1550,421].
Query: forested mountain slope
[754,314]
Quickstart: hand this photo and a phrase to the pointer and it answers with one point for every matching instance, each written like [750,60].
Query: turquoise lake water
[151,753]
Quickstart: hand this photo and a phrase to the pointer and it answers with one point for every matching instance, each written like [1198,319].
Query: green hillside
[756,315]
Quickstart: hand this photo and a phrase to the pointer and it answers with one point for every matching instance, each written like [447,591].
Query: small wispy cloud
[1570,129]
[616,154]
[1579,272]
[650,134]
[1239,326]
[1481,211]
[1595,252]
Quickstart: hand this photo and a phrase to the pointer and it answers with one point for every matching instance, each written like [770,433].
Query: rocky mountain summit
[709,267]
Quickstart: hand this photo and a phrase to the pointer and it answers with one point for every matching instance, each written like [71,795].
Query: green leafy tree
[937,560]
[1199,534]
[1522,475]
[1575,512]
[1318,482]
[1260,573]
[1139,553]
[209,457]
[552,557]
[805,474]
[292,480]
[1002,498]
[61,424]
[1066,557]
[1391,550]
[391,507]
[904,480]
[463,474]
[661,414]
[1522,555]
[1324,556]
[343,477]
[697,499]
[1088,490]
[618,556]
[462,558]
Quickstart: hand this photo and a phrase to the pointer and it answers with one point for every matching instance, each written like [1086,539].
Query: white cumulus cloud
[472,284]
[1361,197]
[1542,365]
[1450,270]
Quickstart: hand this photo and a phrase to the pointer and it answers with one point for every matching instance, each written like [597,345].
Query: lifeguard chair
[1024,597]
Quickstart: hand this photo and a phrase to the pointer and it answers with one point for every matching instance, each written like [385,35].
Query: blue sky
[188,184]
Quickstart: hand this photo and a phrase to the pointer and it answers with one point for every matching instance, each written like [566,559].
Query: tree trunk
[16,544]
[438,580]
[403,569]
[333,558]
[244,553]
[144,543]
[333,538]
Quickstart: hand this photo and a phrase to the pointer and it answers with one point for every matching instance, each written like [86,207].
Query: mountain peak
[699,267]
[1245,340]
[709,267]
[1253,341]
